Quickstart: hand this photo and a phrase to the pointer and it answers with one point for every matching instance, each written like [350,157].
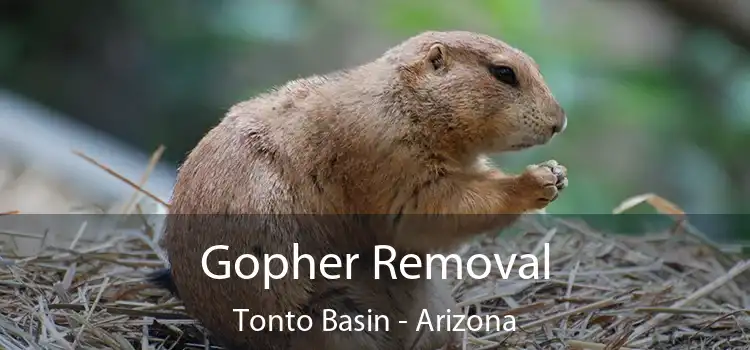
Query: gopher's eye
[504,74]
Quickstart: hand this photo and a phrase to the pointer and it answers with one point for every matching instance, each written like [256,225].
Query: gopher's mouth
[529,142]
[532,142]
[524,140]
[521,146]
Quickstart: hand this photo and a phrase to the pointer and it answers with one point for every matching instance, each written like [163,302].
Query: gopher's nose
[560,127]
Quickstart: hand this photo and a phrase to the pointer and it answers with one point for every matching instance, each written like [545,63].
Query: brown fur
[404,134]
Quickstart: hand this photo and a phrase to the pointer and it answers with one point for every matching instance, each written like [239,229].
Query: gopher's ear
[437,57]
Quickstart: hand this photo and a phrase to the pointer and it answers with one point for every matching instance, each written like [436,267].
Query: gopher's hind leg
[350,315]
[426,298]
[379,305]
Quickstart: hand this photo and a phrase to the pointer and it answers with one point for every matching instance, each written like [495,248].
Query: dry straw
[661,290]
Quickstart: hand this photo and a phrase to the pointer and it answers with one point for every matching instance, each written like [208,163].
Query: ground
[660,290]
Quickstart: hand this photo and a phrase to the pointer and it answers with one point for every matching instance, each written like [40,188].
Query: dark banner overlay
[371,273]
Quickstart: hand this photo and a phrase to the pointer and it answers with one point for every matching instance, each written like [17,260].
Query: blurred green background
[657,92]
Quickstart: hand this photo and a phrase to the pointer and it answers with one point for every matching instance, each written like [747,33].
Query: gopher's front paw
[542,183]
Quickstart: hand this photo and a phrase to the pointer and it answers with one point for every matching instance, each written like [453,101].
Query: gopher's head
[488,93]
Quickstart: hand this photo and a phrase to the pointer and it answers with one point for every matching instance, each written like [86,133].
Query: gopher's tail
[163,279]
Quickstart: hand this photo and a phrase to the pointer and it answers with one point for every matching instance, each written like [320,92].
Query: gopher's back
[222,196]
[246,184]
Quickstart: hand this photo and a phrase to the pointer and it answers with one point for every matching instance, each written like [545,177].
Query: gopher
[392,152]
